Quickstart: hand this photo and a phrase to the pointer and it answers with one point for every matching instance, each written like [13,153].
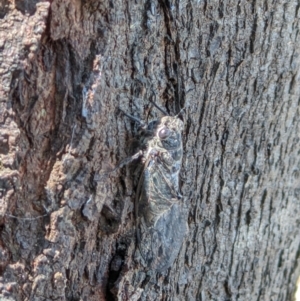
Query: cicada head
[168,132]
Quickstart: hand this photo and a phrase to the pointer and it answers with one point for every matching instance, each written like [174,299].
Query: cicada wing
[158,228]
[155,193]
[161,243]
[170,230]
[138,198]
[142,199]
[173,191]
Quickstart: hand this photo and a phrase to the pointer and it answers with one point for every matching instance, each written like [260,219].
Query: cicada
[160,221]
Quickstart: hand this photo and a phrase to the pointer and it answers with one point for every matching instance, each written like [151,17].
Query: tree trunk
[68,223]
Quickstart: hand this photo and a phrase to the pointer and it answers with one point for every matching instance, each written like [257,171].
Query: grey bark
[67,231]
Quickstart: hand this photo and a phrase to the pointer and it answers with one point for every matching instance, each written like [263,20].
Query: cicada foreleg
[121,164]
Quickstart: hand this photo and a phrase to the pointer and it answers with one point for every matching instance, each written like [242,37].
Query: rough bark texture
[67,66]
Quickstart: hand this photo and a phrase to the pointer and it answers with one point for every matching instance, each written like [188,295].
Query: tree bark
[67,223]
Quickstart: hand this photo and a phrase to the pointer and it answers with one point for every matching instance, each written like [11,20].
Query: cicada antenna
[180,112]
[158,107]
[140,122]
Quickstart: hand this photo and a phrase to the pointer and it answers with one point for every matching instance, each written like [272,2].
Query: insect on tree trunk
[67,68]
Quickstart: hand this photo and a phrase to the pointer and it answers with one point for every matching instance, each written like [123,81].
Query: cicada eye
[164,133]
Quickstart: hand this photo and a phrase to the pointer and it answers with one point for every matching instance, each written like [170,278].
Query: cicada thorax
[161,227]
